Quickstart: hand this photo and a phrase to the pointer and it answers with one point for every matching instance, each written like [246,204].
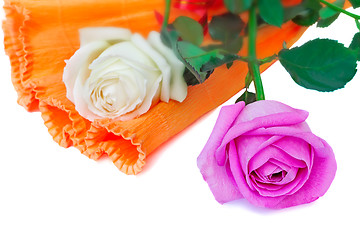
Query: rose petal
[296,148]
[248,146]
[130,54]
[105,66]
[267,169]
[276,190]
[258,160]
[263,156]
[275,155]
[221,183]
[301,177]
[159,60]
[81,104]
[282,164]
[266,109]
[127,85]
[76,69]
[320,179]
[150,98]
[273,120]
[109,69]
[260,186]
[252,196]
[285,161]
[92,34]
[290,176]
[178,86]
[296,131]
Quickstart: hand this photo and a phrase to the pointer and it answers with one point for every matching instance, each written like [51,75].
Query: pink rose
[266,153]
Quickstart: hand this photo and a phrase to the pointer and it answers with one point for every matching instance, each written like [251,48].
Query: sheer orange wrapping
[40,35]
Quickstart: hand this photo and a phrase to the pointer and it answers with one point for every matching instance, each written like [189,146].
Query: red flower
[195,5]
[289,3]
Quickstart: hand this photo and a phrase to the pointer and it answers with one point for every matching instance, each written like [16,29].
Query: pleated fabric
[40,35]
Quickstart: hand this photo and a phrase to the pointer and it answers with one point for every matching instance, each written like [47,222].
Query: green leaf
[328,12]
[320,64]
[189,78]
[169,38]
[189,30]
[309,14]
[229,65]
[194,58]
[355,45]
[323,23]
[355,3]
[233,46]
[225,27]
[238,6]
[247,97]
[292,12]
[307,18]
[329,15]
[271,11]
[215,62]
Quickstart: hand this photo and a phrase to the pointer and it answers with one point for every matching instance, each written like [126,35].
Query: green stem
[357,24]
[267,59]
[253,62]
[166,14]
[339,9]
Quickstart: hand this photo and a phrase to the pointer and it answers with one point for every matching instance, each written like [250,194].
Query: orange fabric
[40,35]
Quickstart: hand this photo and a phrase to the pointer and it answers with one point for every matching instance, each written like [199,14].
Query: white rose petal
[116,74]
[178,87]
[110,34]
[160,61]
[76,68]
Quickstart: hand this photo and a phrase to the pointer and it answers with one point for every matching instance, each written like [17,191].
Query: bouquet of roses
[123,79]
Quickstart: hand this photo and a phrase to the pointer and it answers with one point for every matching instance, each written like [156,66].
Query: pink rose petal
[273,120]
[249,146]
[296,148]
[220,182]
[321,177]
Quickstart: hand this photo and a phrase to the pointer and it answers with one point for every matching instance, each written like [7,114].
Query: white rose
[117,74]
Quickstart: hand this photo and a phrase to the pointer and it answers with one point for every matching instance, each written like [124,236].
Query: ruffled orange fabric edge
[18,50]
[126,143]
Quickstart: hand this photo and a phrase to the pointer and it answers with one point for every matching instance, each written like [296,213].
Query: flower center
[277,177]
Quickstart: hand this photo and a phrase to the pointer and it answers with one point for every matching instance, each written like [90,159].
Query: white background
[48,192]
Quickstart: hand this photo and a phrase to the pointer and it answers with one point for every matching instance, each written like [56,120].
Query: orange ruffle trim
[40,35]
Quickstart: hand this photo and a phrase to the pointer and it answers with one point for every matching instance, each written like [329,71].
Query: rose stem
[357,24]
[253,62]
[166,14]
[339,9]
